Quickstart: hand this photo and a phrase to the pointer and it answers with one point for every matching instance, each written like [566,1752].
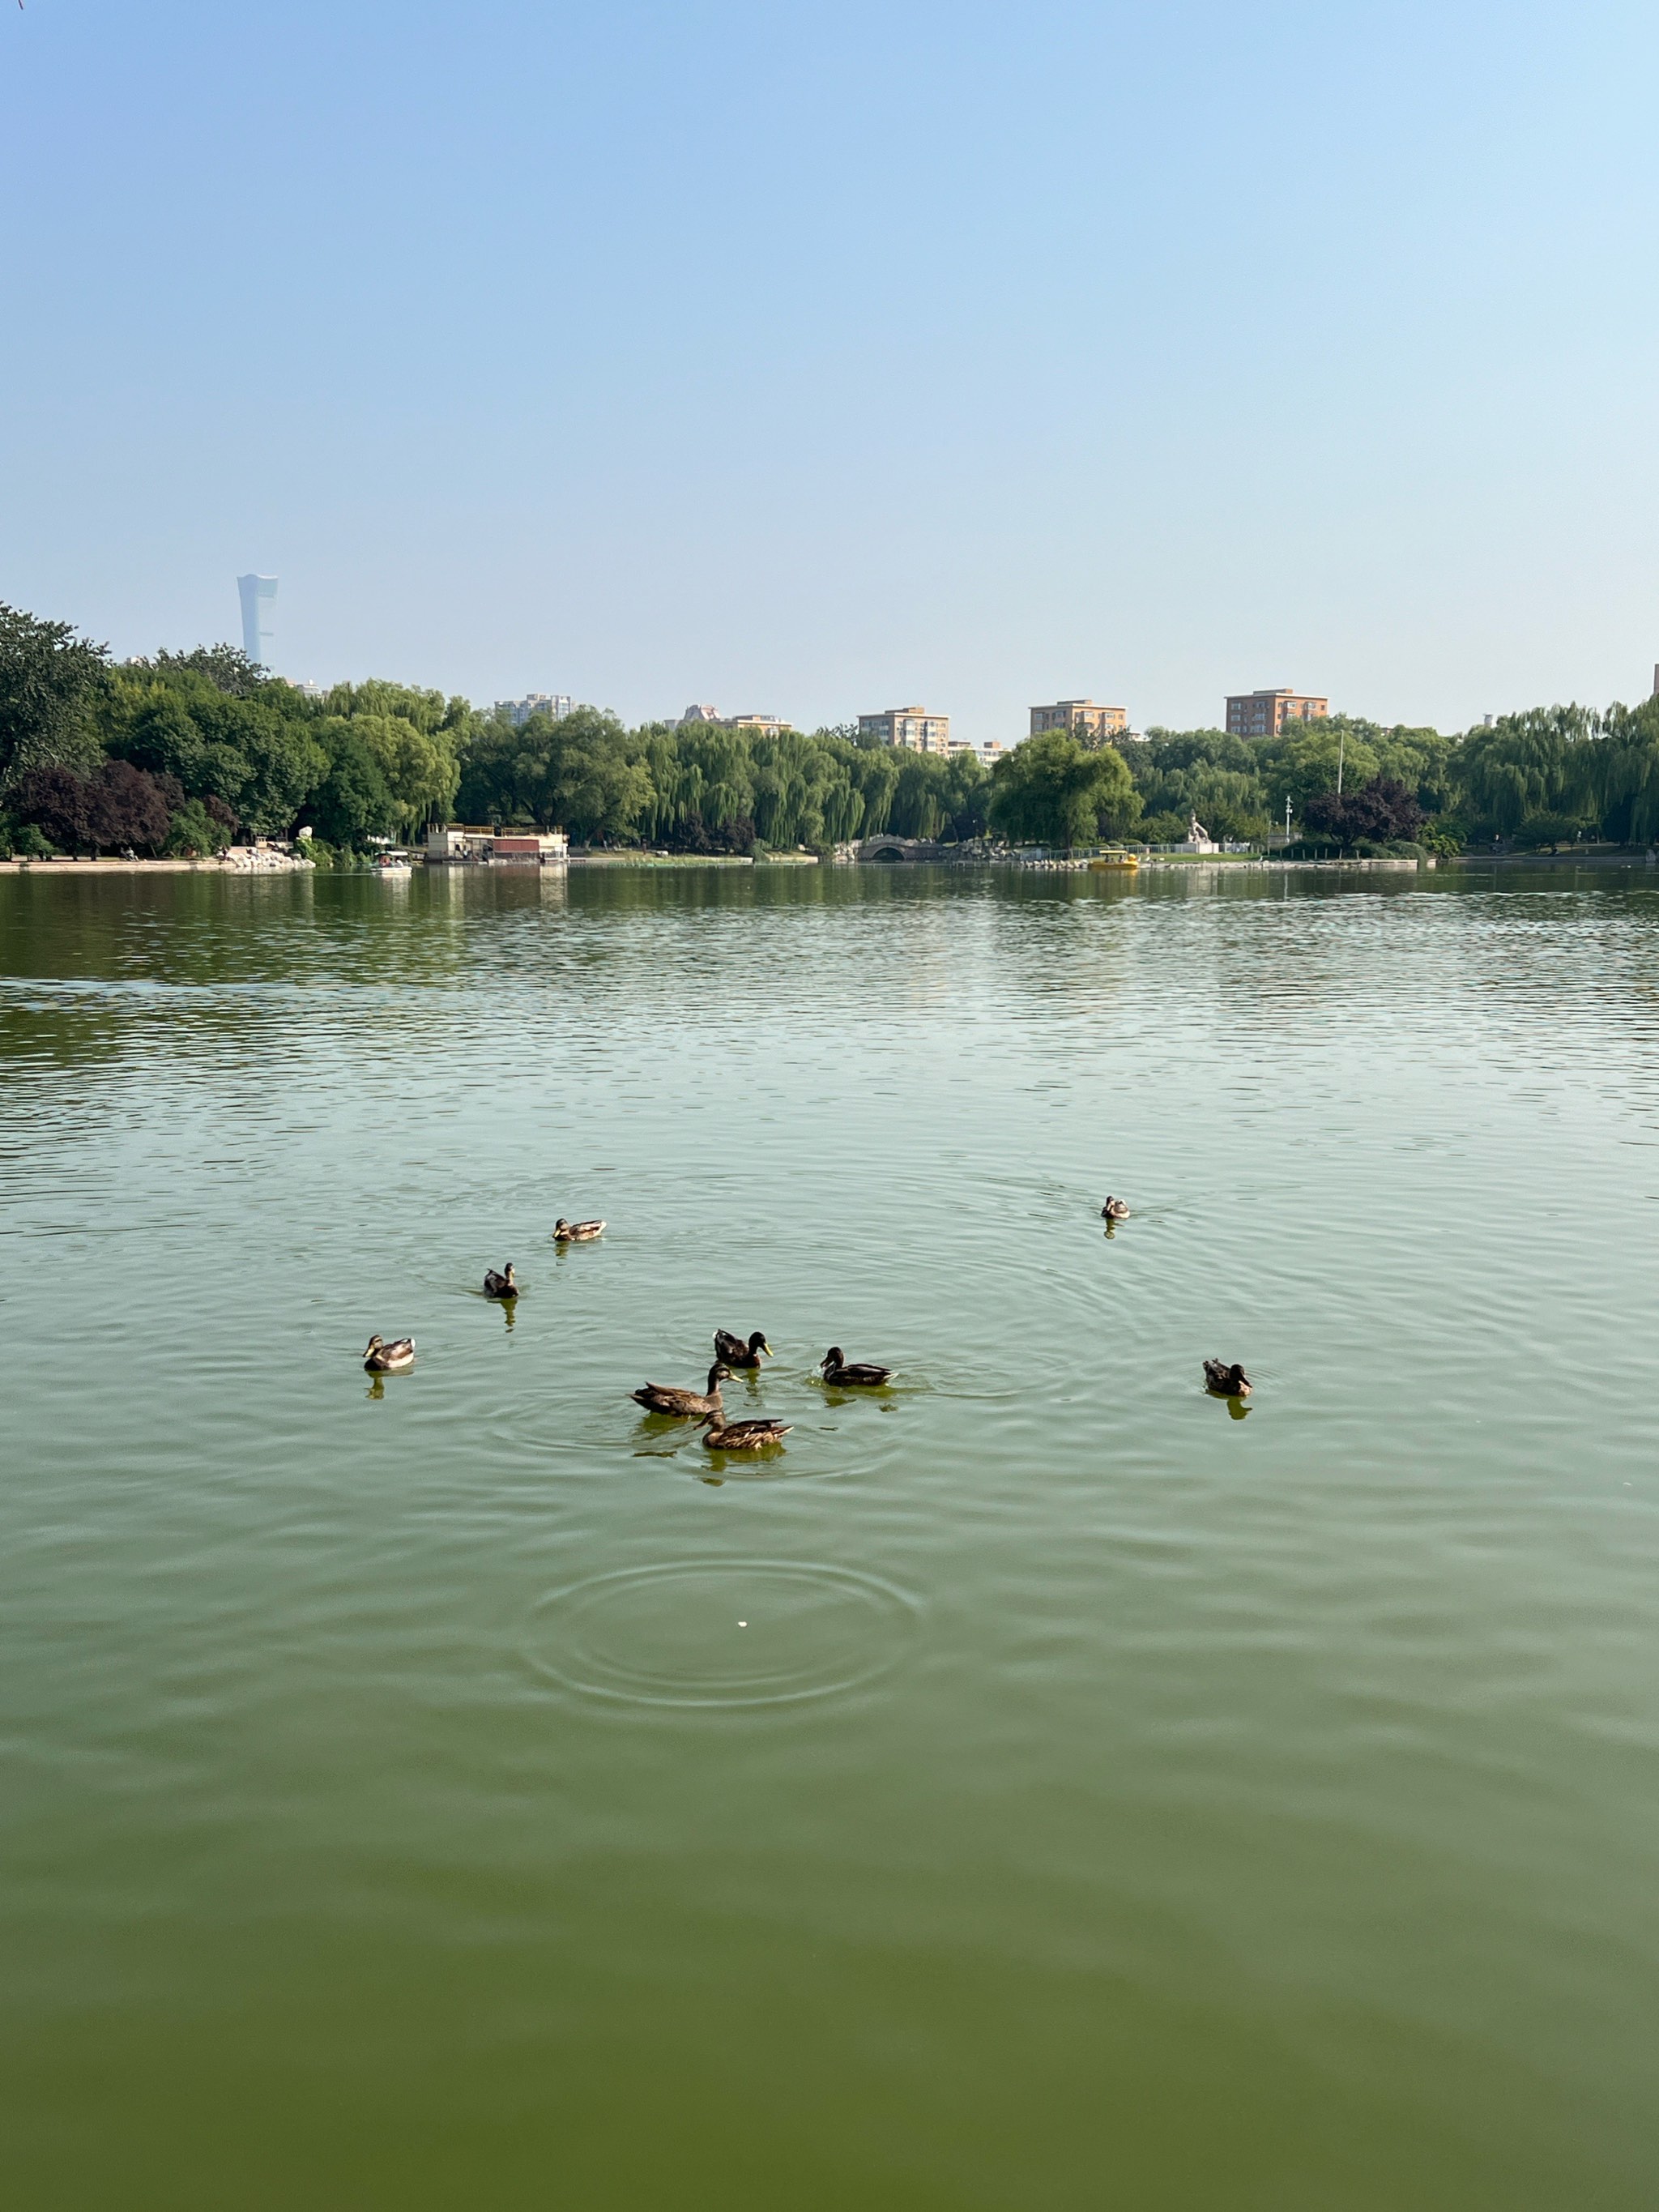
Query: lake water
[1109,1802]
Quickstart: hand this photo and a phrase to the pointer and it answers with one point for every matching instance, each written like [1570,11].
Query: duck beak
[766,1348]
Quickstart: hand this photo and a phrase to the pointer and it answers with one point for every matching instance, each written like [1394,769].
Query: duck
[383,1358]
[742,1436]
[575,1232]
[504,1285]
[1226,1381]
[836,1370]
[685,1405]
[1115,1210]
[736,1353]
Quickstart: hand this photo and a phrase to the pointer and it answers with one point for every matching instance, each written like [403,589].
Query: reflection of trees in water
[481,962]
[55,1035]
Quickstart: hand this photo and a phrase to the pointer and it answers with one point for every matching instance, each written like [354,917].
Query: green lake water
[1110,1801]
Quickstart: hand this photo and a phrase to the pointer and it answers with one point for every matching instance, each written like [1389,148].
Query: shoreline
[1161,865]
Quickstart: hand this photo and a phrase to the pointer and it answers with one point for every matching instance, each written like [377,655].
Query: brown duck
[684,1405]
[863,1373]
[742,1436]
[1226,1381]
[504,1285]
[736,1353]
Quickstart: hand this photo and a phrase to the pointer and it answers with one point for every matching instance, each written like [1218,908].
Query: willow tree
[1538,763]
[1051,790]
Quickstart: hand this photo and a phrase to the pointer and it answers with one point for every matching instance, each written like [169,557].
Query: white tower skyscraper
[257,592]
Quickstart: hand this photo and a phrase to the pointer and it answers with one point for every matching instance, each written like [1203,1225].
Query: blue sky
[814,357]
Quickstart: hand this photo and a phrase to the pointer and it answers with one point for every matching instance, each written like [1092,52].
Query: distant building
[913,727]
[555,705]
[989,753]
[257,594]
[458,845]
[768,725]
[1264,713]
[1082,718]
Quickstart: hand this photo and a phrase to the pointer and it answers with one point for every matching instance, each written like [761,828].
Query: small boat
[684,1405]
[576,1232]
[1224,1381]
[1115,861]
[742,1436]
[394,863]
[863,1373]
[504,1285]
[383,1358]
[736,1353]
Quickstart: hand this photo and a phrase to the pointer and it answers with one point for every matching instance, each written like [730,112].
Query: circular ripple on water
[720,1632]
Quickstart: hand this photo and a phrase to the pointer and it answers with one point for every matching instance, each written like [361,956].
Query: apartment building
[913,727]
[1082,718]
[555,705]
[767,725]
[1264,713]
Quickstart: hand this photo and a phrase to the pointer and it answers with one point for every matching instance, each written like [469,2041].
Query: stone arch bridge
[897,848]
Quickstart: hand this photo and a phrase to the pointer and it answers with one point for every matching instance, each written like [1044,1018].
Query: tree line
[186,751]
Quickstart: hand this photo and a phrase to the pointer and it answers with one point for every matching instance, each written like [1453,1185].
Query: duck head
[757,1343]
[833,1358]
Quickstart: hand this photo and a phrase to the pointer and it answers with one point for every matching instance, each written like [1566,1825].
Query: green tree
[584,774]
[1537,763]
[600,788]
[257,759]
[1617,778]
[227,667]
[1052,791]
[354,801]
[1305,761]
[419,767]
[51,682]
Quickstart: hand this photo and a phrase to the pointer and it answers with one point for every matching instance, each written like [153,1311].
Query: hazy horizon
[819,364]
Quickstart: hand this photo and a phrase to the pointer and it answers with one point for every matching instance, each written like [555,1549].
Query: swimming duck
[1226,1381]
[742,1436]
[684,1405]
[504,1285]
[736,1353]
[1115,1210]
[575,1232]
[836,1370]
[383,1358]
